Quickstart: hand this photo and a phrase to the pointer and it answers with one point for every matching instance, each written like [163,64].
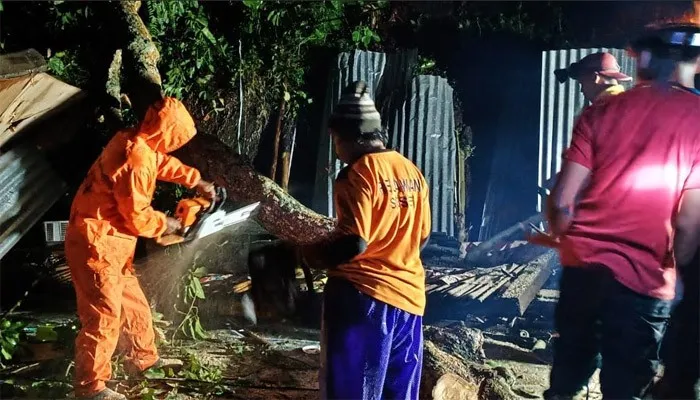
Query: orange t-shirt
[383,197]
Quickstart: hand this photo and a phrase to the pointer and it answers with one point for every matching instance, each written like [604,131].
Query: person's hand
[206,189]
[543,239]
[173,225]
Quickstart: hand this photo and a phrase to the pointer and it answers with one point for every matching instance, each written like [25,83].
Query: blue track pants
[370,350]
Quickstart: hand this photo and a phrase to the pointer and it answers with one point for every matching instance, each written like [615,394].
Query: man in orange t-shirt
[372,334]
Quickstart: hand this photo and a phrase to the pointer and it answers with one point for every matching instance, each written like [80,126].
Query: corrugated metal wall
[28,188]
[560,103]
[423,130]
[419,113]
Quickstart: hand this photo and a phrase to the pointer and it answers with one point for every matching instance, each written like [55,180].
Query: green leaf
[190,292]
[287,96]
[5,354]
[253,4]
[366,40]
[199,330]
[202,271]
[190,329]
[207,33]
[198,290]
[154,373]
[46,333]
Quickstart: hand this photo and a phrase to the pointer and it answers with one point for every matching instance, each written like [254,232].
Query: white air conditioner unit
[55,231]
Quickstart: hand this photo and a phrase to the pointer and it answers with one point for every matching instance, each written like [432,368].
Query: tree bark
[280,214]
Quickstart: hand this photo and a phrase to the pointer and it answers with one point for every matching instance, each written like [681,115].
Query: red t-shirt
[643,150]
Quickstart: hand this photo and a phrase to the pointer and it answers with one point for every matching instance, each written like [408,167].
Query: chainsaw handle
[221,196]
[218,200]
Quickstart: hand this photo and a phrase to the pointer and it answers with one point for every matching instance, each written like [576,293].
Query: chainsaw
[201,217]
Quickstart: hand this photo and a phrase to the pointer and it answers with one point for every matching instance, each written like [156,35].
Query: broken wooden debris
[518,252]
[506,290]
[525,287]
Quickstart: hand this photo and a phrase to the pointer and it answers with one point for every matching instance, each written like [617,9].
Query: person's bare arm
[687,227]
[561,203]
[575,172]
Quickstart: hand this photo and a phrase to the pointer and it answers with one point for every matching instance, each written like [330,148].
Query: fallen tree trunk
[280,214]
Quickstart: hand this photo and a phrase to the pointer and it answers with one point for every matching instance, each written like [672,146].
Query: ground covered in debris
[484,325]
[276,362]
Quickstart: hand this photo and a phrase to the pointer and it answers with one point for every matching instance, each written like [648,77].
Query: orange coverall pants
[101,270]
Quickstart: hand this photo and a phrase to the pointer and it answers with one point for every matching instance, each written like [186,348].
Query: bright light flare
[658,177]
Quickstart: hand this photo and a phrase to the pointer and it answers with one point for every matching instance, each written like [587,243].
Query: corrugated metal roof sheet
[423,130]
[28,188]
[560,103]
[420,115]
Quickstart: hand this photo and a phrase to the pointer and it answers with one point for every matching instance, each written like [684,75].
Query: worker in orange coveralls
[111,209]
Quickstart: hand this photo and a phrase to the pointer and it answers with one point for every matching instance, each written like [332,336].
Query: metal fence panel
[560,103]
[423,131]
[28,188]
[419,113]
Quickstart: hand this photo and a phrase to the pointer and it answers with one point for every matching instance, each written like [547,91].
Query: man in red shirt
[614,212]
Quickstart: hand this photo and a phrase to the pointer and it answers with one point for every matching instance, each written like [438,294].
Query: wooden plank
[523,290]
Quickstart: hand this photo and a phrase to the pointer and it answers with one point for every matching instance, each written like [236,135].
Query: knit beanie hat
[355,113]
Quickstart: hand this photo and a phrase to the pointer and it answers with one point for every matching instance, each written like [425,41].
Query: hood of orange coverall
[167,126]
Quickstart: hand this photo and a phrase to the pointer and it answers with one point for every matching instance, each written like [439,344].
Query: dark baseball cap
[602,63]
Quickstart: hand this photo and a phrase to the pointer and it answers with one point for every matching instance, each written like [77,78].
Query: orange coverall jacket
[111,209]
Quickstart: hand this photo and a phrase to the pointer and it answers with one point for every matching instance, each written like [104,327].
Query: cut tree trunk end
[453,367]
